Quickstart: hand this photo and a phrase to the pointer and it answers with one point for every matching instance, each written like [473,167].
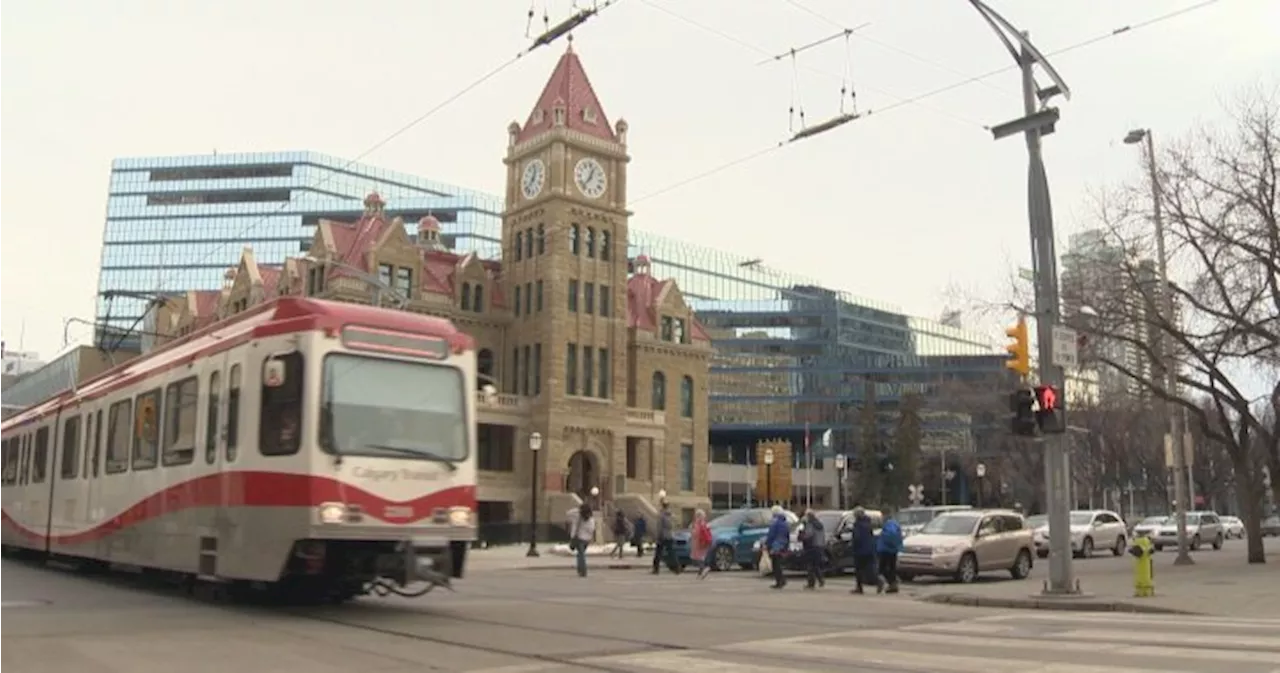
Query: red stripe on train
[262,489]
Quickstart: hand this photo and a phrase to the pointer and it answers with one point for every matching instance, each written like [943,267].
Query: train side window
[146,431]
[70,448]
[97,443]
[181,407]
[40,456]
[24,462]
[87,451]
[281,416]
[10,463]
[119,432]
[211,420]
[233,413]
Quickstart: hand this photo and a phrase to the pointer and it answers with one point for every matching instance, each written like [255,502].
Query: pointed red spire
[568,100]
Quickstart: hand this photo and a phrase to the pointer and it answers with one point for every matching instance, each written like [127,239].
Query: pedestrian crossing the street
[1030,642]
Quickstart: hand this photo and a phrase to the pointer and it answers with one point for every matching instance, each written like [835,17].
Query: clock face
[534,177]
[589,176]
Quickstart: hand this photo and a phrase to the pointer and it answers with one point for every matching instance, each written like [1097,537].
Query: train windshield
[393,408]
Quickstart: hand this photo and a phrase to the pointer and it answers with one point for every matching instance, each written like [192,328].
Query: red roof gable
[568,88]
[351,240]
[643,291]
[270,279]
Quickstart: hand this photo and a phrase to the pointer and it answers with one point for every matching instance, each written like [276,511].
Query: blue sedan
[733,535]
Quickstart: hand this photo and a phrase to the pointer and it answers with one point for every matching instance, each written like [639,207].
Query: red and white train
[302,445]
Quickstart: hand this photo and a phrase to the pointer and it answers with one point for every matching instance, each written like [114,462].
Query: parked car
[1147,527]
[1090,530]
[838,526]
[912,519]
[966,543]
[733,535]
[1271,525]
[1201,527]
[1232,527]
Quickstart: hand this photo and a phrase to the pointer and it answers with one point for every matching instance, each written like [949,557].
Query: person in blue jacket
[888,546]
[777,541]
[864,553]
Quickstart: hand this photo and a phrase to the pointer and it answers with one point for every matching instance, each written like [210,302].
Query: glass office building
[177,223]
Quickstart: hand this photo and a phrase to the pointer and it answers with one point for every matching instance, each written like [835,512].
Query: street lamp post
[1039,120]
[595,498]
[768,477]
[982,475]
[1166,362]
[535,445]
[841,464]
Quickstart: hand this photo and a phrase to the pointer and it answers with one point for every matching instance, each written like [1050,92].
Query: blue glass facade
[177,223]
[789,352]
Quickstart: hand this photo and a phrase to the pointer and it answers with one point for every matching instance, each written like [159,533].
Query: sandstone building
[609,365]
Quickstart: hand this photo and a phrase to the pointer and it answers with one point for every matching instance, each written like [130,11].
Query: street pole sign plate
[1065,352]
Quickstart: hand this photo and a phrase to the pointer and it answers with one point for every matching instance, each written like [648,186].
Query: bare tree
[1219,195]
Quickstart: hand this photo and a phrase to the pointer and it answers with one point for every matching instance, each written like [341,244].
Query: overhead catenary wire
[1128,28]
[844,32]
[545,39]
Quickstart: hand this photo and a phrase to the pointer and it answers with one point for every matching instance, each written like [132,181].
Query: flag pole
[808,473]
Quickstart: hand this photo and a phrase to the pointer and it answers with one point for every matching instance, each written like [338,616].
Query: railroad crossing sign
[916,493]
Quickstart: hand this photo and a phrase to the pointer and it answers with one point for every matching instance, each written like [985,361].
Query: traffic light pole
[1057,467]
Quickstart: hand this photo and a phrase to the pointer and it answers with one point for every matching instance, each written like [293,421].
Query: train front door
[221,437]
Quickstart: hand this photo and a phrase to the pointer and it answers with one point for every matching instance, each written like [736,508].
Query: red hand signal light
[1046,398]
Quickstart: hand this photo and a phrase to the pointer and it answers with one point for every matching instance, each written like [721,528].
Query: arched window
[542,239]
[484,365]
[573,238]
[477,303]
[519,245]
[591,241]
[604,245]
[686,397]
[466,296]
[659,391]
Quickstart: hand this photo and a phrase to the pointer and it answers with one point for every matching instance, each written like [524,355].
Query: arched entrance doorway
[583,474]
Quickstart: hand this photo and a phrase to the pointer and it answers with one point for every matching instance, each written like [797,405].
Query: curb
[570,566]
[1083,605]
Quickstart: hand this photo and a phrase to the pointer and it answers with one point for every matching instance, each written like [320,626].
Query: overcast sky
[897,206]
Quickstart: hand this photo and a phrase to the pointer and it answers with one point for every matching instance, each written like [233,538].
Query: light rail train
[317,448]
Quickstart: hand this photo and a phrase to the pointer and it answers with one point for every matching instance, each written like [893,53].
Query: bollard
[1144,567]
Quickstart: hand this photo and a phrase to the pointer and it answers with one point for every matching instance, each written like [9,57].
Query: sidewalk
[1230,590]
[554,556]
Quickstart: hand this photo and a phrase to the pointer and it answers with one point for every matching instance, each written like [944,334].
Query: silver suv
[1202,527]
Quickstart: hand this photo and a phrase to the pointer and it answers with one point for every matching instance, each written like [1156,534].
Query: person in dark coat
[864,553]
[638,531]
[814,540]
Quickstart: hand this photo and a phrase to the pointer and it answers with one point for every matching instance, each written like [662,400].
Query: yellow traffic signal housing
[1020,349]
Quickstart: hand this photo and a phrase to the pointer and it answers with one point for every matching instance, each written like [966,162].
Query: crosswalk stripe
[1135,644]
[936,663]
[1189,621]
[1171,639]
[667,661]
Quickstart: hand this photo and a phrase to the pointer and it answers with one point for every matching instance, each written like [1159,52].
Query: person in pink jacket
[700,544]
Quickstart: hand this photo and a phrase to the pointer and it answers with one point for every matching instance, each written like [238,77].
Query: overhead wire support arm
[792,52]
[834,122]
[565,27]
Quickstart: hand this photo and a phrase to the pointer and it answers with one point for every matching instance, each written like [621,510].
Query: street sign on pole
[1065,351]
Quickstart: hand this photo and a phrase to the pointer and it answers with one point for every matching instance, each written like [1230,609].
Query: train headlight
[460,516]
[332,512]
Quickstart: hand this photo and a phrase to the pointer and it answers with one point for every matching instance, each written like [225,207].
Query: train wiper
[417,453]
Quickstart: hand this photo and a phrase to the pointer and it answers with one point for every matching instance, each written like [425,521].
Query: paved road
[528,621]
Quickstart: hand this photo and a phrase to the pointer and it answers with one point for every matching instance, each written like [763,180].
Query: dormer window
[558,115]
[589,115]
[668,328]
[538,116]
[681,333]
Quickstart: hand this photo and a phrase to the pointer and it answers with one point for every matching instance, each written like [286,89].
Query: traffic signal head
[1020,349]
[1048,409]
[1022,404]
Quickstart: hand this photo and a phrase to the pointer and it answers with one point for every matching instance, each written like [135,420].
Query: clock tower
[564,261]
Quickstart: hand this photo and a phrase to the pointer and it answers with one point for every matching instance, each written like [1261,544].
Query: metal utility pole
[1165,359]
[1039,120]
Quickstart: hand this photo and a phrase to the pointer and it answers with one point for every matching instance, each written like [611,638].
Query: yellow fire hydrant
[1144,567]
